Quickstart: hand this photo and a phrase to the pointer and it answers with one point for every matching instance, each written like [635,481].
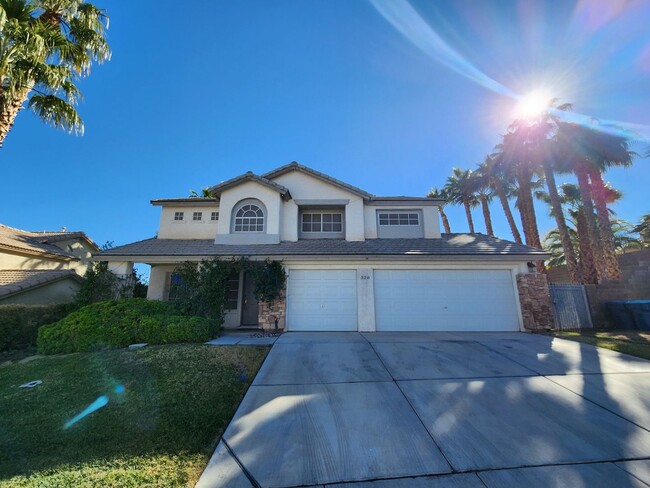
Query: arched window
[249,217]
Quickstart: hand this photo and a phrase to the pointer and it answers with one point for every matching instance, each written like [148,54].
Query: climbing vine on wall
[201,288]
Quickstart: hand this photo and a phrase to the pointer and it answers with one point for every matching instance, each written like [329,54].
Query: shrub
[120,323]
[19,323]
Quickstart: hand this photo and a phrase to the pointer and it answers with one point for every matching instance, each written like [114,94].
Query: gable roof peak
[249,176]
[295,166]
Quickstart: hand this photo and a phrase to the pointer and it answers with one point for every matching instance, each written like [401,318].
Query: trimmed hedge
[119,323]
[19,323]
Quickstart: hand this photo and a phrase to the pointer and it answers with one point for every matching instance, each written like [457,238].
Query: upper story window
[398,218]
[178,215]
[320,222]
[214,216]
[197,216]
[249,217]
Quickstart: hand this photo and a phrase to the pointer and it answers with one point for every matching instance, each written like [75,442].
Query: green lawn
[628,342]
[160,431]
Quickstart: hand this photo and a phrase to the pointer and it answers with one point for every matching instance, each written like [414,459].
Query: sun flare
[532,105]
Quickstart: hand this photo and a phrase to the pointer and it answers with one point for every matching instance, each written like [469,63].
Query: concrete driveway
[438,409]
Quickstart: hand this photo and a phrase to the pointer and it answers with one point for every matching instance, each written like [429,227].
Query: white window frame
[179,216]
[322,214]
[398,218]
[195,215]
[241,224]
[214,216]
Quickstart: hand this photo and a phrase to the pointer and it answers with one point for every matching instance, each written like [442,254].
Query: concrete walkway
[438,410]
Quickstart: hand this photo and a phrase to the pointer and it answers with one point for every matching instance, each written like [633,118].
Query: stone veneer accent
[535,300]
[270,311]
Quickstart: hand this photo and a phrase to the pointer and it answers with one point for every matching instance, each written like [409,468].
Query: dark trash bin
[623,318]
[640,311]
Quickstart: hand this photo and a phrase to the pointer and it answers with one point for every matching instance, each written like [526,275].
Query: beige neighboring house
[355,261]
[42,267]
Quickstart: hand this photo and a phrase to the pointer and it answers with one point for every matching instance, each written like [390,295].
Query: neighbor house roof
[185,202]
[449,245]
[250,176]
[294,166]
[13,281]
[40,243]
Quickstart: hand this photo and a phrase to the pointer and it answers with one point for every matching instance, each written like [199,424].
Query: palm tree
[517,151]
[205,193]
[480,184]
[501,182]
[622,230]
[591,152]
[643,228]
[459,192]
[441,195]
[544,149]
[46,46]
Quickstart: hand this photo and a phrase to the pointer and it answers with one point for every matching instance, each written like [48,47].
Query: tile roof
[294,166]
[32,242]
[40,242]
[447,245]
[14,281]
[249,176]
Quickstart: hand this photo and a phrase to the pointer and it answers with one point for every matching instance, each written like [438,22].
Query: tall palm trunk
[598,272]
[501,193]
[558,213]
[613,269]
[528,217]
[445,221]
[587,265]
[9,110]
[468,214]
[486,216]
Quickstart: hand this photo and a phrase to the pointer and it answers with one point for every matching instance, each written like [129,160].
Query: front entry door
[250,307]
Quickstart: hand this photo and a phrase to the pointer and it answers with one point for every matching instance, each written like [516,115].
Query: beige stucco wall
[306,187]
[16,260]
[157,289]
[430,219]
[249,190]
[187,228]
[62,291]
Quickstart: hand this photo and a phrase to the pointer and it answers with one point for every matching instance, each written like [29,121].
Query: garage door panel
[445,300]
[322,300]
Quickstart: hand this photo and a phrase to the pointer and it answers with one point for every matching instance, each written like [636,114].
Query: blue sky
[198,93]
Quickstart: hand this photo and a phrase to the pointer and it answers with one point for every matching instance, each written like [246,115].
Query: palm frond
[57,112]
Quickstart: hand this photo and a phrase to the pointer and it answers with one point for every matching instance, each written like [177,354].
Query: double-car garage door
[405,300]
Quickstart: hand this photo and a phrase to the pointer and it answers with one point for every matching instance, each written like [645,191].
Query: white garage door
[322,300]
[445,300]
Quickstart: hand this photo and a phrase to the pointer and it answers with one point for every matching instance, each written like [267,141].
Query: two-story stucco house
[355,261]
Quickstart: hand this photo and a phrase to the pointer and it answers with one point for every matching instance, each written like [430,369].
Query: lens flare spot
[101,402]
[119,389]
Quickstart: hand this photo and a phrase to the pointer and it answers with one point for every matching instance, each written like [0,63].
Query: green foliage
[47,47]
[120,323]
[98,284]
[202,288]
[19,323]
[643,229]
[270,279]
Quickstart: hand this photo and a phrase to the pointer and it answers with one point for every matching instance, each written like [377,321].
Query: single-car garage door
[445,300]
[322,300]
